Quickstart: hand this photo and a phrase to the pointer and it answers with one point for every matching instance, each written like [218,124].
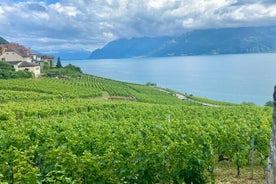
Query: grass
[226,174]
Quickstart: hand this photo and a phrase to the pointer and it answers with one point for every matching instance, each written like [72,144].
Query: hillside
[127,48]
[89,129]
[198,42]
[3,41]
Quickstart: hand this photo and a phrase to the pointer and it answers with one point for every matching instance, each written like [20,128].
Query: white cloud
[250,13]
[92,23]
[70,11]
[1,13]
[188,22]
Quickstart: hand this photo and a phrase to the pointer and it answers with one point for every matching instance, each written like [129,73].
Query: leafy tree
[73,68]
[6,66]
[46,66]
[58,65]
[151,84]
[269,104]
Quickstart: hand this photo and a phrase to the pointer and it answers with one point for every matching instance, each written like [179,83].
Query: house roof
[19,49]
[22,64]
[14,62]
[49,57]
[43,56]
[27,64]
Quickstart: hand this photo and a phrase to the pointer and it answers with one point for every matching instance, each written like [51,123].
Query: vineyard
[95,130]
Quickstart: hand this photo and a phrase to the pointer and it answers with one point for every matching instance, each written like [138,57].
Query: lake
[232,78]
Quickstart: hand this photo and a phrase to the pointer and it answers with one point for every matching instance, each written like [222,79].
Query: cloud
[89,24]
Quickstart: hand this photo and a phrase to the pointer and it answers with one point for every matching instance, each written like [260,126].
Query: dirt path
[182,97]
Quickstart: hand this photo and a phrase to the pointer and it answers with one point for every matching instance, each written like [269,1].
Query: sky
[50,25]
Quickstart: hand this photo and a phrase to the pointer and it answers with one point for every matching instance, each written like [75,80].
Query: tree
[73,68]
[51,63]
[58,63]
[269,104]
[46,66]
[6,66]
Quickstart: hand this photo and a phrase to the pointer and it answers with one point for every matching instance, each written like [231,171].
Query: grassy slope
[45,97]
[85,87]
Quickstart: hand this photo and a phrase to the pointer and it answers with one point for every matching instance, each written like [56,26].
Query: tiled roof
[19,49]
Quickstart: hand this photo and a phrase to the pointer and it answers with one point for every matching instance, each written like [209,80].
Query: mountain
[198,42]
[3,41]
[70,54]
[127,48]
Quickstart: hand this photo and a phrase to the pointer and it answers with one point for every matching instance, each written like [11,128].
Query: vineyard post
[252,160]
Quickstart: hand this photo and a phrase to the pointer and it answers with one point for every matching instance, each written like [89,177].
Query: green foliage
[151,84]
[7,71]
[248,103]
[58,65]
[24,74]
[209,101]
[56,131]
[64,72]
[5,66]
[73,68]
[269,104]
[46,66]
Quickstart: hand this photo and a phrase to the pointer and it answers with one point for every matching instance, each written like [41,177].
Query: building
[28,66]
[23,58]
[12,55]
[42,59]
[15,52]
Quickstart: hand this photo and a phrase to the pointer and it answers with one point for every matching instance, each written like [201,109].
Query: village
[22,58]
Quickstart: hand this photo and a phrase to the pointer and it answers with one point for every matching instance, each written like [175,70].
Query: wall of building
[11,56]
[35,70]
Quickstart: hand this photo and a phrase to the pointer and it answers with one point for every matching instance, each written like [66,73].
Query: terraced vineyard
[96,130]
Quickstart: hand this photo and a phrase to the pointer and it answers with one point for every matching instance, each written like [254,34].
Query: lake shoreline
[231,78]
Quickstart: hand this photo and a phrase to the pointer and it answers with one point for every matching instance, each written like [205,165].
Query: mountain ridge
[3,41]
[197,42]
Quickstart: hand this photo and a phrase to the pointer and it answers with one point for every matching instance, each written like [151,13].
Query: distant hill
[3,41]
[198,42]
[127,48]
[70,54]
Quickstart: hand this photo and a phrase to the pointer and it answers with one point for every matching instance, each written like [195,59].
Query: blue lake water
[232,78]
